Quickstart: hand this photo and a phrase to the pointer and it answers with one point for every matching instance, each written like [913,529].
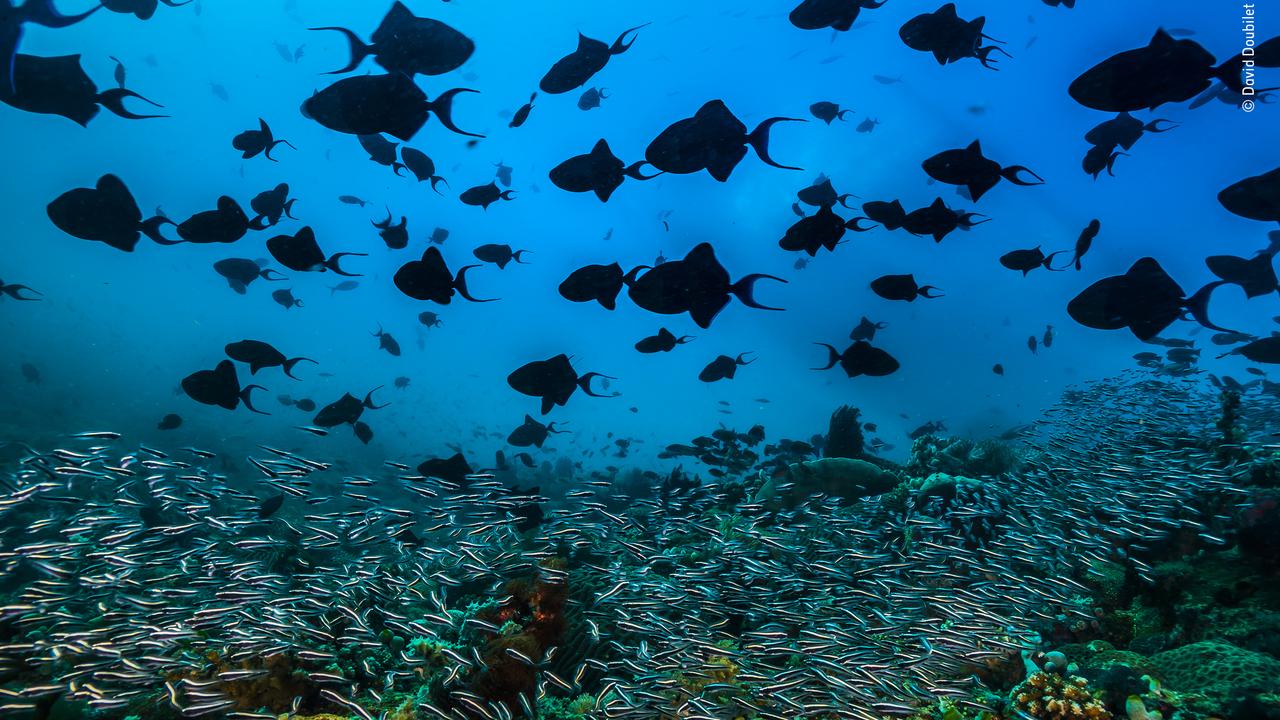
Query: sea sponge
[1049,696]
[1218,670]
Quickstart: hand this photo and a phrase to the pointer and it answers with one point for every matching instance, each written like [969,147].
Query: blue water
[116,332]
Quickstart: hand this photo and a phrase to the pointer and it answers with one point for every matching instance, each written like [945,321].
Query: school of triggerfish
[195,580]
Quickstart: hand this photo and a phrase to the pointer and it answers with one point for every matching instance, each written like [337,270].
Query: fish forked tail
[925,290]
[333,263]
[1154,126]
[621,45]
[435,180]
[151,228]
[265,274]
[551,428]
[743,290]
[42,12]
[739,361]
[113,100]
[633,171]
[368,400]
[584,382]
[245,398]
[759,140]
[288,365]
[15,291]
[516,256]
[460,284]
[1011,174]
[856,224]
[1048,262]
[1198,306]
[833,356]
[359,50]
[272,146]
[442,106]
[984,54]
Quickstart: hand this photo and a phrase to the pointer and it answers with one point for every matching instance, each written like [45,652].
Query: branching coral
[1049,696]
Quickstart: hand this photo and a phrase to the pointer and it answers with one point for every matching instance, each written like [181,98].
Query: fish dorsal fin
[227,204]
[947,11]
[601,150]
[665,334]
[975,147]
[1162,39]
[937,204]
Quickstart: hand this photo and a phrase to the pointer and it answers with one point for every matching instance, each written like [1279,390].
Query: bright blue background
[117,331]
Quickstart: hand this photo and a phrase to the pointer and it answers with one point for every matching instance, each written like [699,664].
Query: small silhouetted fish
[270,205]
[503,174]
[532,433]
[886,80]
[1027,260]
[344,286]
[576,69]
[226,223]
[552,380]
[971,169]
[1047,340]
[405,44]
[386,342]
[1085,241]
[241,272]
[1031,344]
[120,72]
[600,283]
[31,373]
[828,112]
[302,253]
[252,142]
[664,341]
[285,299]
[937,220]
[305,404]
[867,125]
[713,140]
[452,469]
[599,171]
[498,254]
[347,410]
[522,114]
[382,151]
[172,421]
[395,236]
[866,330]
[219,92]
[590,99]
[268,507]
[260,355]
[429,319]
[220,387]
[998,369]
[860,358]
[59,86]
[485,195]
[402,382]
[901,287]
[723,367]
[839,15]
[422,166]
[697,284]
[438,236]
[352,200]
[949,37]
[1231,338]
[104,213]
[429,279]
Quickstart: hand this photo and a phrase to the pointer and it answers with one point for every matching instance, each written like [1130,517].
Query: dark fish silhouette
[226,223]
[220,387]
[697,284]
[270,506]
[937,220]
[713,140]
[172,421]
[395,236]
[822,194]
[574,70]
[828,112]
[969,168]
[600,283]
[262,355]
[532,433]
[1027,260]
[141,9]
[347,410]
[949,37]
[590,99]
[270,205]
[405,44]
[521,115]
[252,142]
[12,19]
[1145,300]
[285,299]
[390,104]
[1085,241]
[59,86]
[343,286]
[1255,275]
[1166,70]
[867,125]
[452,469]
[352,200]
[1124,130]
[382,151]
[866,330]
[1264,350]
[723,368]
[823,229]
[430,279]
[664,341]
[241,272]
[902,287]
[599,171]
[888,214]
[860,358]
[499,255]
[15,291]
[388,343]
[422,167]
[104,213]
[485,195]
[998,369]
[503,174]
[302,253]
[553,380]
[838,15]
[1255,198]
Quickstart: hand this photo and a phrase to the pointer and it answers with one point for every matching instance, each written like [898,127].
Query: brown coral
[1049,696]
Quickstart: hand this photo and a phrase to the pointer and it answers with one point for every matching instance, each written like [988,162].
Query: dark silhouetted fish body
[1165,70]
[498,254]
[822,194]
[220,387]
[59,86]
[866,330]
[723,367]
[241,272]
[531,433]
[937,220]
[521,115]
[949,37]
[372,104]
[1255,198]
[575,69]
[12,20]
[838,15]
[253,142]
[452,469]
[422,166]
[1145,300]
[969,168]
[381,150]
[387,342]
[697,284]
[301,252]
[285,299]
[1085,241]
[485,195]
[396,236]
[600,283]
[901,287]
[270,205]
[664,341]
[553,380]
[827,112]
[1256,275]
[860,358]
[590,99]
[429,279]
[823,229]
[1027,260]
[599,171]
[713,140]
[105,213]
[406,44]
[260,355]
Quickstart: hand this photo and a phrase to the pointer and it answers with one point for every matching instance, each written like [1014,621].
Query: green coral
[551,707]
[1219,671]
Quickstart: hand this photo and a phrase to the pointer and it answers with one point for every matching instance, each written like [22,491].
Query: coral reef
[1219,671]
[844,434]
[959,456]
[1049,696]
[844,478]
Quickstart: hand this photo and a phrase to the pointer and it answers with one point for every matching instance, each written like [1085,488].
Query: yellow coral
[1048,696]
